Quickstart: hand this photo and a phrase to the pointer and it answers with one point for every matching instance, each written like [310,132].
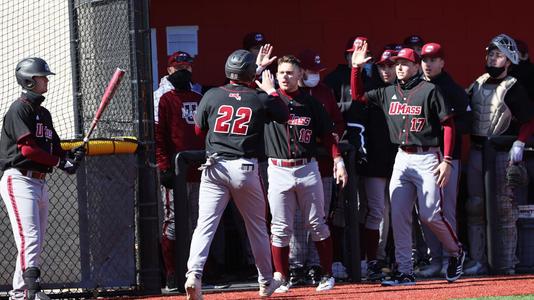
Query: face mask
[494,71]
[181,80]
[312,80]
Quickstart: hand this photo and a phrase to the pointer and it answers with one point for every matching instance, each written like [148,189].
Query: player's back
[235,117]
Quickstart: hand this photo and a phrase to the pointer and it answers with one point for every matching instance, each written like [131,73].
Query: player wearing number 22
[233,116]
[416,112]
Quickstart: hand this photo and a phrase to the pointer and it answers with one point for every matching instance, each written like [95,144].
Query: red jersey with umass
[414,110]
[175,131]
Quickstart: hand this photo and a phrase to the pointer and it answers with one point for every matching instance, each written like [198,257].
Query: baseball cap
[311,60]
[386,57]
[413,40]
[408,54]
[432,50]
[253,39]
[356,41]
[393,46]
[179,58]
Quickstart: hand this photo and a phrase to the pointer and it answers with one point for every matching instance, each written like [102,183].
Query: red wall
[462,27]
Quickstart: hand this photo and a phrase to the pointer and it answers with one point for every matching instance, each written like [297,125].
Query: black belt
[33,174]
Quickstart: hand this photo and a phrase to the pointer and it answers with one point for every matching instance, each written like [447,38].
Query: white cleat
[327,283]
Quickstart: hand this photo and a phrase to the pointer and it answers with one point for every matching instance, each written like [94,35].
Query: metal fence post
[148,221]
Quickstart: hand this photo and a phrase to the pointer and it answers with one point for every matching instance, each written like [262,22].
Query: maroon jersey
[175,131]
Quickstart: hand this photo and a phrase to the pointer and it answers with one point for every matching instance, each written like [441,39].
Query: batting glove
[68,165]
[516,153]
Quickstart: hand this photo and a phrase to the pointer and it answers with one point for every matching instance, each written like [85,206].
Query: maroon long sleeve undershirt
[30,150]
[448,137]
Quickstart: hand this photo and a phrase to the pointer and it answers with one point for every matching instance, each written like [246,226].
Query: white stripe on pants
[224,180]
[412,179]
[26,200]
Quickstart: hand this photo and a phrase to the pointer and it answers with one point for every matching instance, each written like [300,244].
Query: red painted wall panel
[462,27]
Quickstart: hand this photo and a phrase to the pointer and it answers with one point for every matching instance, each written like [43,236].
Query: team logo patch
[394,97]
[188,112]
[296,120]
[317,60]
[397,108]
[258,37]
[235,95]
[429,49]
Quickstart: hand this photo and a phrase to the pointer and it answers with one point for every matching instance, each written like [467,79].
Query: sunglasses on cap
[183,58]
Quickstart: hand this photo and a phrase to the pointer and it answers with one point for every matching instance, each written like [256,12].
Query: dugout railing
[184,160]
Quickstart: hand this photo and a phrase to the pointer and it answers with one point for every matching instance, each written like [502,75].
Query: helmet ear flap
[29,83]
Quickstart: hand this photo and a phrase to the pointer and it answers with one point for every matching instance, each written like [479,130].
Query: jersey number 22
[226,123]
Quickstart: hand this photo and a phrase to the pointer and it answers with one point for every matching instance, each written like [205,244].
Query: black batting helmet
[28,68]
[241,66]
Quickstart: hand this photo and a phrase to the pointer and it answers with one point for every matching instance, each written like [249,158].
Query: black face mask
[495,72]
[181,80]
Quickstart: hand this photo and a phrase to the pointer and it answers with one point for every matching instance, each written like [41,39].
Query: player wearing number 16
[233,116]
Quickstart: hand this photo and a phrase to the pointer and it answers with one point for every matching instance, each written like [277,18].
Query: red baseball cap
[408,54]
[253,39]
[432,50]
[311,60]
[179,58]
[357,42]
[386,57]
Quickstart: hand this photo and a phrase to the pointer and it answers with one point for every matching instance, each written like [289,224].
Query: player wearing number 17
[416,112]
[233,116]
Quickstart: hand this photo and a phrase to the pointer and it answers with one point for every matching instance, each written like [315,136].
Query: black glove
[166,178]
[68,165]
[77,153]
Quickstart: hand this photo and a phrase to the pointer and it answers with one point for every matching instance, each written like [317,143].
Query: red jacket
[175,130]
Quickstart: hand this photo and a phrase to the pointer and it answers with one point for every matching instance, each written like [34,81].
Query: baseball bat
[106,98]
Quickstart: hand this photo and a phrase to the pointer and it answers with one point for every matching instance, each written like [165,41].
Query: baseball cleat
[275,284]
[193,287]
[327,283]
[456,265]
[399,279]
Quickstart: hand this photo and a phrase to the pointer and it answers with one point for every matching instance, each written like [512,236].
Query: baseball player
[29,149]
[233,116]
[367,126]
[432,64]
[294,178]
[303,257]
[175,132]
[500,106]
[416,112]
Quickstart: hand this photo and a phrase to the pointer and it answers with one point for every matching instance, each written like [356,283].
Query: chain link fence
[91,241]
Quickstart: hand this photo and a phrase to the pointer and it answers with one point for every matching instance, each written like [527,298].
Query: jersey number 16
[226,123]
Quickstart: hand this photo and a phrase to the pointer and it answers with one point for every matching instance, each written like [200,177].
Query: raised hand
[264,59]
[267,82]
[359,56]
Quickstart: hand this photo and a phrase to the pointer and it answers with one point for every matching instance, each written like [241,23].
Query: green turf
[518,297]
